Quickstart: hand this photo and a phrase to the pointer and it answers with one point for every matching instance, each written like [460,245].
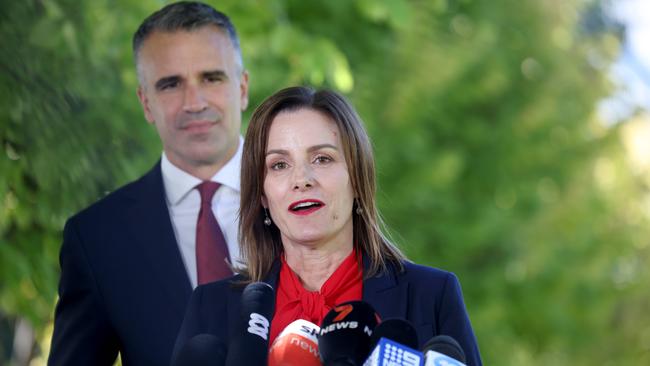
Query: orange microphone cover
[297,345]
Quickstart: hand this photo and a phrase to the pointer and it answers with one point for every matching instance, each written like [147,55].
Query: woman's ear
[264,202]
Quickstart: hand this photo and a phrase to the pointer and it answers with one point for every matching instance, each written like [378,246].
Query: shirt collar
[178,183]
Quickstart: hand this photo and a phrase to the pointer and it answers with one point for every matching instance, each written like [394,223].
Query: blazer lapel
[155,240]
[386,293]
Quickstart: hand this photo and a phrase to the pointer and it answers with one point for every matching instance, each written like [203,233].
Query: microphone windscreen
[297,345]
[445,345]
[251,343]
[398,330]
[345,333]
[258,297]
[201,350]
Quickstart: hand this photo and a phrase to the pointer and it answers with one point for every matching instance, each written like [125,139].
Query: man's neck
[202,170]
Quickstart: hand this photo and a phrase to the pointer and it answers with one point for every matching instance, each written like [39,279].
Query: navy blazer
[123,283]
[431,299]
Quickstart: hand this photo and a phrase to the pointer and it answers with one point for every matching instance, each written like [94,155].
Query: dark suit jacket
[429,298]
[123,283]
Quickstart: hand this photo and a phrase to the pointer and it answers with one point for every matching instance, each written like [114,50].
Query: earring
[267,219]
[358,210]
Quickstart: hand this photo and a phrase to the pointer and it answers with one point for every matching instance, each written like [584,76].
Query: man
[129,262]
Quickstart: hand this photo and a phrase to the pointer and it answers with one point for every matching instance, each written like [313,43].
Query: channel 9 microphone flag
[345,333]
[297,345]
[391,353]
[393,343]
[443,350]
[250,346]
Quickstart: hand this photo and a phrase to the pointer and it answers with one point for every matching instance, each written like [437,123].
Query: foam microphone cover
[201,350]
[250,344]
[345,333]
[297,345]
[445,345]
[398,330]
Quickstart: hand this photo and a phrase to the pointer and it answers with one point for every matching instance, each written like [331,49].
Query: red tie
[211,248]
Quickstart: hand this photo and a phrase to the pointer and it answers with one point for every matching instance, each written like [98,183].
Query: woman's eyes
[278,165]
[320,160]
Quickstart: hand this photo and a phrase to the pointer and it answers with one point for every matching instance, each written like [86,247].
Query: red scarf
[293,302]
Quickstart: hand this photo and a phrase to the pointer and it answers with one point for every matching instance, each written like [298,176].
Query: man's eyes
[168,85]
[214,78]
[174,83]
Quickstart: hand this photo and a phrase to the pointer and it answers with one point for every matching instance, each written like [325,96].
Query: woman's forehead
[302,129]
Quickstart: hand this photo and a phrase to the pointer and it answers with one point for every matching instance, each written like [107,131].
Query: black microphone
[398,330]
[250,345]
[441,347]
[201,350]
[345,333]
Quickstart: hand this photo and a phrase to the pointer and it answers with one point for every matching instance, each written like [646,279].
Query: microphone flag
[391,353]
[434,358]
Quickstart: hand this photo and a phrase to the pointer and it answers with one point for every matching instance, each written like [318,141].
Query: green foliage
[491,161]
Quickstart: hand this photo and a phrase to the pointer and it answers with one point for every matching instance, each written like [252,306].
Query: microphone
[391,353]
[201,350]
[398,330]
[251,343]
[297,345]
[344,337]
[443,350]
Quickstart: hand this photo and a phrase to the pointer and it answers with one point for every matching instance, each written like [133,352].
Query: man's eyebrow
[215,74]
[162,82]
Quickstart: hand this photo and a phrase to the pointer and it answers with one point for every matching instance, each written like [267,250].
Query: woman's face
[307,188]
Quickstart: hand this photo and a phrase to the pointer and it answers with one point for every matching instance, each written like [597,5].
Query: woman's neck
[315,265]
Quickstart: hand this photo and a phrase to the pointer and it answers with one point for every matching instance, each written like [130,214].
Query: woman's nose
[303,179]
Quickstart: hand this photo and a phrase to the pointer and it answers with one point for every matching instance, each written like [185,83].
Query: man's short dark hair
[187,16]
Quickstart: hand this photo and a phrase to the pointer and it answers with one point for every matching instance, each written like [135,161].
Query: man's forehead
[208,34]
[205,49]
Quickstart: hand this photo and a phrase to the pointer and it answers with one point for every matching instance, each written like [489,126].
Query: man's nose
[194,100]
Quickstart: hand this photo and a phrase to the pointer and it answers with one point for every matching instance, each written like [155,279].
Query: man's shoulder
[117,201]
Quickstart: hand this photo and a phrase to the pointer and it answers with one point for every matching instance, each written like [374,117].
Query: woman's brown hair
[261,244]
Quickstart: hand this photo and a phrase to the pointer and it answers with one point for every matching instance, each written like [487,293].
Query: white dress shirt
[184,202]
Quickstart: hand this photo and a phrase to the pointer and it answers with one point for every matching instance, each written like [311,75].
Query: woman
[310,228]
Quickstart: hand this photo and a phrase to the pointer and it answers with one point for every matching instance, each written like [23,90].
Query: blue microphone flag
[391,353]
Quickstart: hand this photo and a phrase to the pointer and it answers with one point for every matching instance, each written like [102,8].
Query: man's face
[193,91]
